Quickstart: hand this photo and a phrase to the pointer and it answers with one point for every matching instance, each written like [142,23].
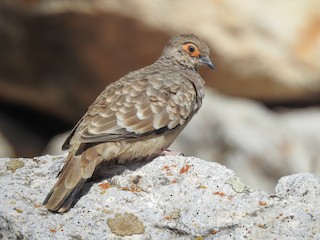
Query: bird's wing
[132,108]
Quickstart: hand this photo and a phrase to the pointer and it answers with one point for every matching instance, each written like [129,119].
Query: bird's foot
[168,152]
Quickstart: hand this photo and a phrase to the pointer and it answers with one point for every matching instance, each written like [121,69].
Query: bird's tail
[71,179]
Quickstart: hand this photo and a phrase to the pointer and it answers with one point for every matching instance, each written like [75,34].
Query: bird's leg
[168,152]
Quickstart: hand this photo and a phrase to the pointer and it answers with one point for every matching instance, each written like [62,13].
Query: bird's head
[188,51]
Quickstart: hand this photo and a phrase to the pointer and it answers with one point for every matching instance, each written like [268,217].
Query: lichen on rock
[126,224]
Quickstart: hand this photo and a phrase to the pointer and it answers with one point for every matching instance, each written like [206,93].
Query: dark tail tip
[63,204]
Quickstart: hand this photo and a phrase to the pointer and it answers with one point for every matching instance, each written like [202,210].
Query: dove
[134,118]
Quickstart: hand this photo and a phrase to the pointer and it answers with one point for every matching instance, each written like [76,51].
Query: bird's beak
[207,61]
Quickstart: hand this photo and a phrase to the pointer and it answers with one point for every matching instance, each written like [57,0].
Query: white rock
[168,198]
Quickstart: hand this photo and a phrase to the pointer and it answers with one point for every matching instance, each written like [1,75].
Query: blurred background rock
[262,120]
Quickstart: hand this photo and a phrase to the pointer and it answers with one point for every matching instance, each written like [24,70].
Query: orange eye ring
[191,49]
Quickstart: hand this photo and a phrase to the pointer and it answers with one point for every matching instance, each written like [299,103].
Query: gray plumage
[136,117]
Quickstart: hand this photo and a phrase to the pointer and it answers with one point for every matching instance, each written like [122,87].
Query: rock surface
[168,198]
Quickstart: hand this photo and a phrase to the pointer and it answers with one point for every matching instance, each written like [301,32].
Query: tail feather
[71,180]
[61,198]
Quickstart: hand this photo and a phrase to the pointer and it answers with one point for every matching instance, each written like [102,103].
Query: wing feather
[137,105]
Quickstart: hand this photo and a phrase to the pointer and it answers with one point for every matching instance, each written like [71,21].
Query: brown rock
[58,62]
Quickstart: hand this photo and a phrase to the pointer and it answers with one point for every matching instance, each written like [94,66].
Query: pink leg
[168,152]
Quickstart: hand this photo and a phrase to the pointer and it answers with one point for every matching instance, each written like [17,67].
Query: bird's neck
[174,63]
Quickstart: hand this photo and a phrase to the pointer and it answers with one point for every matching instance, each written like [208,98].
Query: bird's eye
[191,49]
